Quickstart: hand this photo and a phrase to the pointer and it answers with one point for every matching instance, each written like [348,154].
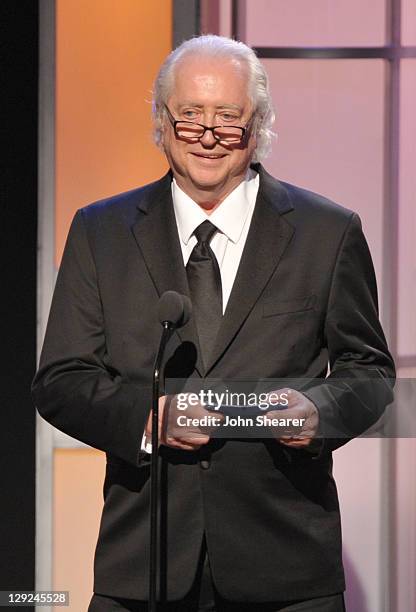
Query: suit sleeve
[75,389]
[360,384]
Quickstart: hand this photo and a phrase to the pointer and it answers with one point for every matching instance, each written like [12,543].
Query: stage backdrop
[345,127]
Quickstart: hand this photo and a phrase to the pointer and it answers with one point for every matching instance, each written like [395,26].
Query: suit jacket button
[205,464]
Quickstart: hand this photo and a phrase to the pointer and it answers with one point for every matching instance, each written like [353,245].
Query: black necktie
[205,287]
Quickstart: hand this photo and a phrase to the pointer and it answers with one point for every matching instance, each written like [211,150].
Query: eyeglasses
[189,130]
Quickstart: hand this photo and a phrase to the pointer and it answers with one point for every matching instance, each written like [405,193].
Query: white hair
[210,45]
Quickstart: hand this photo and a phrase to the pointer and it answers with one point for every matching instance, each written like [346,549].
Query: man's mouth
[209,155]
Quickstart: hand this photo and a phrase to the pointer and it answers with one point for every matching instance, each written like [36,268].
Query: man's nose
[208,139]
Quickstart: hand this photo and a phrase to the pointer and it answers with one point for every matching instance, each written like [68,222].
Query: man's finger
[181,444]
[194,438]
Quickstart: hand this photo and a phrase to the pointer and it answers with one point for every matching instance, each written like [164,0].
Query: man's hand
[189,436]
[299,407]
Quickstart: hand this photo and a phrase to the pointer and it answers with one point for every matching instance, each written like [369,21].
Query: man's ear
[161,144]
[163,127]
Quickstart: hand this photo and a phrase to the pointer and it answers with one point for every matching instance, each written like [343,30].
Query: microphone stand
[154,485]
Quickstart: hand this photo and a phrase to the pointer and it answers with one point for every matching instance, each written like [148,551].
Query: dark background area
[19,87]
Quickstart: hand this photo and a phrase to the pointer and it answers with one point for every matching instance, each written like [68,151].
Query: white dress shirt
[232,218]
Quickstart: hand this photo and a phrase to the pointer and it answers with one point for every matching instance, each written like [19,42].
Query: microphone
[174,311]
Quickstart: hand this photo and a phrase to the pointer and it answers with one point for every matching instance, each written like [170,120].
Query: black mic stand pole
[154,485]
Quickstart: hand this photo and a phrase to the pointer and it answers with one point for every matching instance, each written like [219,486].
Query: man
[282,286]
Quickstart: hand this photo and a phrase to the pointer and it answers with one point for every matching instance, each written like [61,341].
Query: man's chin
[207,182]
[207,186]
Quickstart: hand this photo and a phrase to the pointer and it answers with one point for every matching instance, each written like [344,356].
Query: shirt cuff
[146,445]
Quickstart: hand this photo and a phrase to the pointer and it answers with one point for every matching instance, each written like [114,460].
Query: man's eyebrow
[218,107]
[233,106]
[190,103]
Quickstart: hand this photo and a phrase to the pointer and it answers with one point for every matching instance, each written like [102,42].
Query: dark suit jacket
[305,294]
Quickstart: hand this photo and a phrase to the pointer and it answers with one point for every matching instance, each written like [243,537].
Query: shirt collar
[229,217]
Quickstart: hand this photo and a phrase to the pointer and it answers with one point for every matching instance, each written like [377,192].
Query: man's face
[210,91]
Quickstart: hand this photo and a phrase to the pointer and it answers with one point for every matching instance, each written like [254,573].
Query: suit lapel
[157,237]
[267,239]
